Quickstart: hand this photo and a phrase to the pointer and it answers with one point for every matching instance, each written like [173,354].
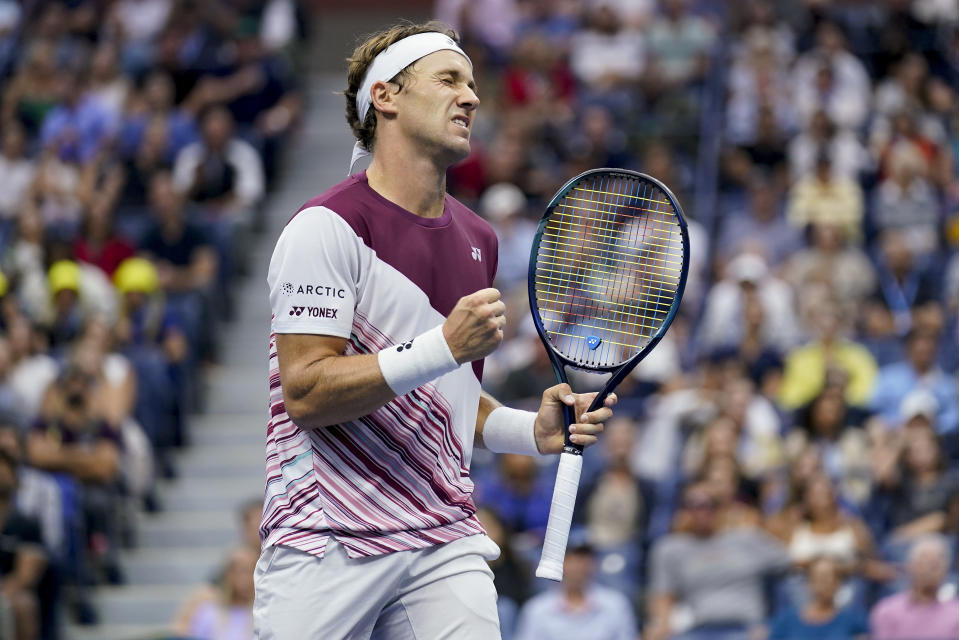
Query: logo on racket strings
[592,342]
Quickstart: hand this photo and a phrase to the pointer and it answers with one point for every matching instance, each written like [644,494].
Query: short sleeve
[315,274]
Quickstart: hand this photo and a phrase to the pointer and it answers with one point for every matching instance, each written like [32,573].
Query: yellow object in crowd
[804,376]
[136,275]
[64,275]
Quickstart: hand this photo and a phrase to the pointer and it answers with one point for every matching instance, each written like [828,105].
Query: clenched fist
[474,328]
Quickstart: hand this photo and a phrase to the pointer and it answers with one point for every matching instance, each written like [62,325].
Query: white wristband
[412,364]
[509,430]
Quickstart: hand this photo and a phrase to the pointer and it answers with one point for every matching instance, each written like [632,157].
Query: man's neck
[924,596]
[412,181]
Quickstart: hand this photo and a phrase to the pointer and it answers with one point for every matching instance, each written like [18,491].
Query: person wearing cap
[918,371]
[67,319]
[383,312]
[578,607]
[157,344]
[748,281]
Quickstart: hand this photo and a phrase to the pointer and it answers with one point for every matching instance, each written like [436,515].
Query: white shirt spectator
[849,156]
[16,175]
[594,55]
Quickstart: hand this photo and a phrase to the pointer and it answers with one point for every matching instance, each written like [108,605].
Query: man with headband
[383,311]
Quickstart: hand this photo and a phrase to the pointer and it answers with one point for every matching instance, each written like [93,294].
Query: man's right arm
[323,387]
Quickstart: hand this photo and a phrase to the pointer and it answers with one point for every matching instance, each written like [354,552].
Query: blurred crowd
[137,141]
[784,464]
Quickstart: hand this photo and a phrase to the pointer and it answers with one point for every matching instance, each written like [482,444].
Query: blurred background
[785,458]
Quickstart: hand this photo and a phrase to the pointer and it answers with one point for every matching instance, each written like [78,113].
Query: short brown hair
[361,60]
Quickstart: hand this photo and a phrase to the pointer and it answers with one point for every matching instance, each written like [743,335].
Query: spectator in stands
[39,497]
[152,105]
[717,573]
[98,242]
[821,618]
[22,559]
[918,370]
[68,316]
[8,397]
[679,45]
[761,227]
[848,156]
[33,368]
[79,126]
[834,264]
[154,338]
[922,492]
[37,493]
[221,172]
[186,263]
[823,197]
[906,200]
[735,495]
[32,92]
[829,359]
[829,77]
[919,613]
[817,526]
[108,85]
[71,439]
[578,607]
[833,429]
[511,575]
[504,206]
[607,57]
[904,286]
[16,174]
[537,76]
[518,492]
[230,615]
[759,80]
[257,88]
[747,277]
[615,509]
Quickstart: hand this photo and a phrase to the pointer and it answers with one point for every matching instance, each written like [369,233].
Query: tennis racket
[606,275]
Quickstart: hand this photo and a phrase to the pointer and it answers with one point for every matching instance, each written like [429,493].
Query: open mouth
[462,121]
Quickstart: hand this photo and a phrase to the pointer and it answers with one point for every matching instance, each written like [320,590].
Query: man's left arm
[514,431]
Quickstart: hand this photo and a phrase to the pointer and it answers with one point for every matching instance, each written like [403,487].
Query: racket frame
[620,370]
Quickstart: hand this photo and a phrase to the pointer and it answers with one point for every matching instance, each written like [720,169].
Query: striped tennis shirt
[353,264]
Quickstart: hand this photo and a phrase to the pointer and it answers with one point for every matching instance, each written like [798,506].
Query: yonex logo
[477,255]
[406,345]
[314,312]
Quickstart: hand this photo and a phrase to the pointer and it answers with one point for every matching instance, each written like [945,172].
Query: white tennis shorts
[436,593]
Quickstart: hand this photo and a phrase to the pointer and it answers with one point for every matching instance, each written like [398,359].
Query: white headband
[390,62]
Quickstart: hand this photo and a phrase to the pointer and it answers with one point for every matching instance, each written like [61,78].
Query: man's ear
[383,96]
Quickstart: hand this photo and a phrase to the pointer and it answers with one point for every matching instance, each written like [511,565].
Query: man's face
[437,104]
[578,569]
[928,569]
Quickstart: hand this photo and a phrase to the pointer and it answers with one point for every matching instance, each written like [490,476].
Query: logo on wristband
[406,345]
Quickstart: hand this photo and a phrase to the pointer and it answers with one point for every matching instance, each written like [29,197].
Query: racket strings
[608,269]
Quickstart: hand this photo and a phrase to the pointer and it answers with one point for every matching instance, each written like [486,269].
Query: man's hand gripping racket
[606,275]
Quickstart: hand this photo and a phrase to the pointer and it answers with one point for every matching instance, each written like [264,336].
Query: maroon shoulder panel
[446,257]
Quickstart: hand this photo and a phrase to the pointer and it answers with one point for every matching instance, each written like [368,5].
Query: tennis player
[383,311]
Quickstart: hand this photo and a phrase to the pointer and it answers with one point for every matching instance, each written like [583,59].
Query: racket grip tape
[560,517]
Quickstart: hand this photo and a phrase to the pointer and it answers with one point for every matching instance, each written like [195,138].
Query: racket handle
[560,517]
